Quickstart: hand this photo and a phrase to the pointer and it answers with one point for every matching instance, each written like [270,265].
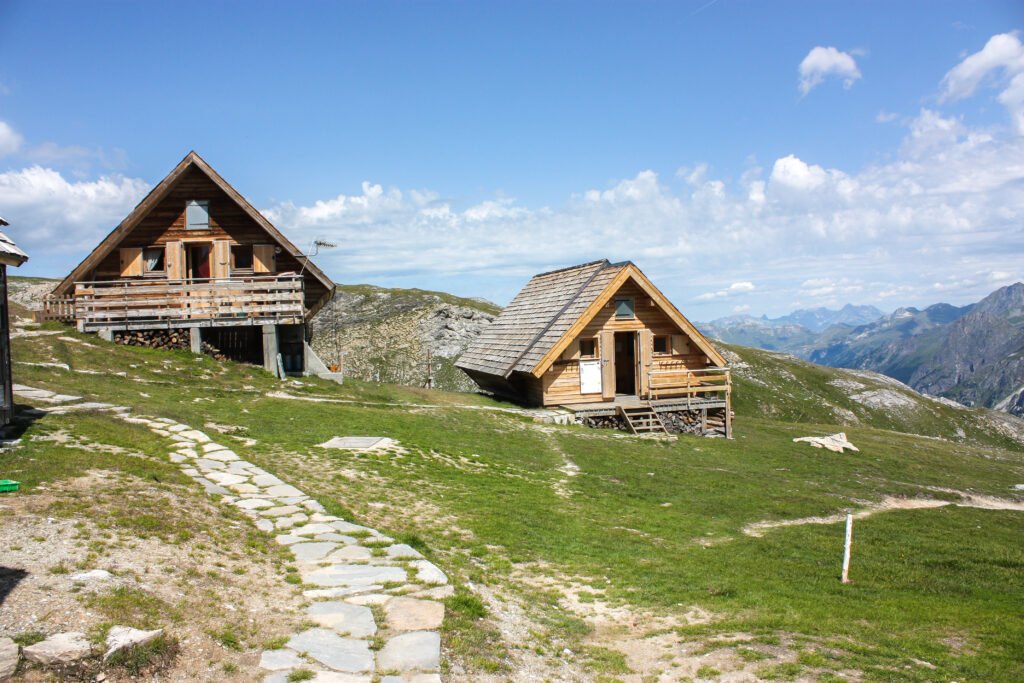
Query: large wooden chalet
[601,340]
[195,255]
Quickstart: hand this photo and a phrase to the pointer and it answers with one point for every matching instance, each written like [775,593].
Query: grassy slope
[425,295]
[479,489]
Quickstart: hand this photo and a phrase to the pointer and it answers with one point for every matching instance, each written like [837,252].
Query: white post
[846,548]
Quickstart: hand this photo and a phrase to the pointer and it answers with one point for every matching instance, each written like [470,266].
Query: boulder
[8,658]
[120,637]
[60,648]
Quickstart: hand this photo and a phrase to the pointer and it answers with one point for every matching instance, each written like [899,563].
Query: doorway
[625,363]
[197,261]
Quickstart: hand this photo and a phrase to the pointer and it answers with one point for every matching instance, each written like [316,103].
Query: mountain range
[972,354]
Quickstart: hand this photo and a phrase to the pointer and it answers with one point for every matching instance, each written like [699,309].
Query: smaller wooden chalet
[601,340]
[195,257]
[10,255]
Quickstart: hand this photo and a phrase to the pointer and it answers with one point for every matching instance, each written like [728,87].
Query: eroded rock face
[60,648]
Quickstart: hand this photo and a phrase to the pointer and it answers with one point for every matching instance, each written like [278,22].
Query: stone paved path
[347,569]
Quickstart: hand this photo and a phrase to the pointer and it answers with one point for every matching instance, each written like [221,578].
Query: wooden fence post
[846,548]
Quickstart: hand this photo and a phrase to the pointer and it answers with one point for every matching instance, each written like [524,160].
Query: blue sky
[464,146]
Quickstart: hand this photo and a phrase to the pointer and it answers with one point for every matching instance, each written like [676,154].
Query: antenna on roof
[314,248]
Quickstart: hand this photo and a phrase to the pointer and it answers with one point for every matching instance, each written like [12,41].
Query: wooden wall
[561,383]
[166,223]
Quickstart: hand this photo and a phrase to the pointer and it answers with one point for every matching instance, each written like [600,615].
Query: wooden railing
[147,304]
[687,382]
[60,308]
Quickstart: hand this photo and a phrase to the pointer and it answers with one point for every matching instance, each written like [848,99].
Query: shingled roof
[10,253]
[538,321]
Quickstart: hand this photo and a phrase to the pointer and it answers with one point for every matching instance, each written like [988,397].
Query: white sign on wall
[590,377]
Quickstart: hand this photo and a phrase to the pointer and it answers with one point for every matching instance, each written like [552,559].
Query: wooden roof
[551,310]
[10,253]
[191,160]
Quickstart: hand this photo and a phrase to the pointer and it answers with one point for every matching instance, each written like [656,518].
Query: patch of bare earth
[197,585]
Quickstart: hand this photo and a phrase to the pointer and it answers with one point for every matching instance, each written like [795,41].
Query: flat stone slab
[224,456]
[284,491]
[280,660]
[370,599]
[354,575]
[8,658]
[410,614]
[254,503]
[92,575]
[264,525]
[330,593]
[329,536]
[207,464]
[337,677]
[357,443]
[402,551]
[265,480]
[61,648]
[427,572]
[355,621]
[315,528]
[210,447]
[312,552]
[225,479]
[413,678]
[352,552]
[289,539]
[328,648]
[414,651]
[121,637]
[280,511]
[195,435]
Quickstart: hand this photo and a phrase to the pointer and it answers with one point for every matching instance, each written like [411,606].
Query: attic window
[661,345]
[197,214]
[625,308]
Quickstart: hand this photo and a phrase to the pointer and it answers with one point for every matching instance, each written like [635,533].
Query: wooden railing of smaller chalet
[687,382]
[147,304]
[59,308]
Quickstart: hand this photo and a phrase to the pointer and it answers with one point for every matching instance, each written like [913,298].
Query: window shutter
[131,261]
[263,260]
[221,259]
[680,347]
[175,258]
[197,215]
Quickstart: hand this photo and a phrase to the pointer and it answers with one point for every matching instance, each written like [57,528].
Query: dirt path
[888,504]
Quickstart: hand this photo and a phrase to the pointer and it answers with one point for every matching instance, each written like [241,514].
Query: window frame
[146,272]
[666,339]
[632,307]
[589,356]
[205,205]
[251,270]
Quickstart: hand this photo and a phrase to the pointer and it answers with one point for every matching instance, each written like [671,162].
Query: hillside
[385,335]
[575,554]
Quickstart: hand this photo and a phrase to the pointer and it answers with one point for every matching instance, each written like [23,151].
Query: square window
[153,262]
[197,214]
[241,257]
[624,308]
[661,345]
[588,348]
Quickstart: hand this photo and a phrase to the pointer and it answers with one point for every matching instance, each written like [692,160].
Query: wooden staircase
[642,419]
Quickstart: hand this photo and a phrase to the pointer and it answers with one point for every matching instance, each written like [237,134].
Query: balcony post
[195,338]
[270,348]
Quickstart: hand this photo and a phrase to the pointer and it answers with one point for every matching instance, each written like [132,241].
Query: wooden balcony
[687,384]
[156,304]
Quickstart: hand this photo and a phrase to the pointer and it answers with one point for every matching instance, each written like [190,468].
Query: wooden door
[221,259]
[645,342]
[607,340]
[175,257]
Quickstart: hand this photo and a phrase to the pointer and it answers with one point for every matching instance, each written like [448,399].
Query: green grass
[656,525]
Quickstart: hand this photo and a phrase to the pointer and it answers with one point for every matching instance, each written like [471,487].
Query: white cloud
[10,140]
[1001,63]
[732,290]
[823,62]
[742,308]
[48,213]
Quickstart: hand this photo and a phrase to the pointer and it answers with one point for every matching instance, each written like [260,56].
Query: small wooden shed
[10,255]
[601,340]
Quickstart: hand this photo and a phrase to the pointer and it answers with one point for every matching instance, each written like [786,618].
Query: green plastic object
[8,485]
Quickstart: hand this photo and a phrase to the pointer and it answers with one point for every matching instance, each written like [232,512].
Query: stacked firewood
[689,422]
[606,422]
[167,340]
[211,350]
